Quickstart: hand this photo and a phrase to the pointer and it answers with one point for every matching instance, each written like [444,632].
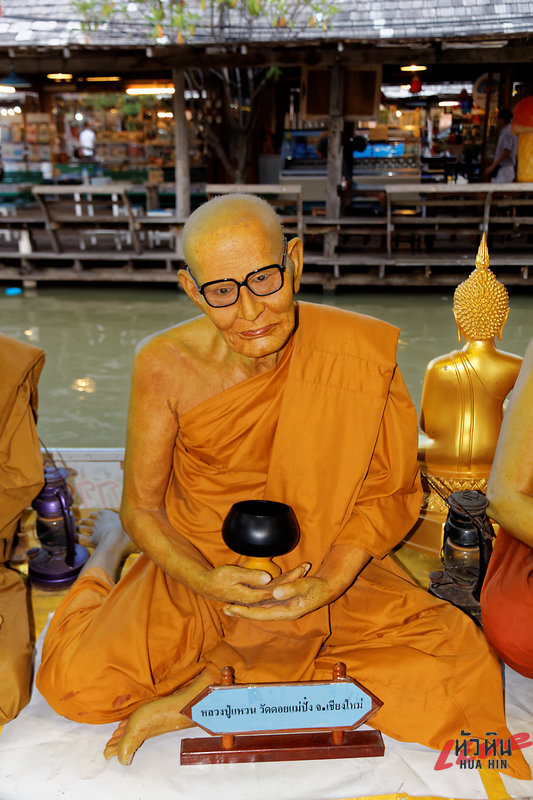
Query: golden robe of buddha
[464,393]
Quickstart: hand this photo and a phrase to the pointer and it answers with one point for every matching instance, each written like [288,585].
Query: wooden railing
[417,229]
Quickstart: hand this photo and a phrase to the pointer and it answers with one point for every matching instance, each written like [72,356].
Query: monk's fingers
[301,587]
[292,575]
[234,584]
[254,577]
[308,593]
[287,591]
[248,596]
[266,611]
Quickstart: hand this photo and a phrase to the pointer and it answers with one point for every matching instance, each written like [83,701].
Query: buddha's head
[481,303]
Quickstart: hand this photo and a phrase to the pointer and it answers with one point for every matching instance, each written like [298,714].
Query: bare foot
[103,524]
[156,717]
[103,530]
[153,719]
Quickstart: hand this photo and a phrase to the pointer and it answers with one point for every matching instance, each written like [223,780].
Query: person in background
[87,140]
[503,167]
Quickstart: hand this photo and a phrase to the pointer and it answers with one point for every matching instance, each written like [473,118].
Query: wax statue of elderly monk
[261,397]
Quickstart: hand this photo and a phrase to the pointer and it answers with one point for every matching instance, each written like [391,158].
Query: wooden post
[486,121]
[339,674]
[335,129]
[181,147]
[227,678]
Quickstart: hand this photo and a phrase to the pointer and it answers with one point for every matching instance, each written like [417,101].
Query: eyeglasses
[261,282]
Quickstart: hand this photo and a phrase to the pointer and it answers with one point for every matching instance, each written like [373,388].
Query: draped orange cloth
[507,602]
[21,477]
[330,430]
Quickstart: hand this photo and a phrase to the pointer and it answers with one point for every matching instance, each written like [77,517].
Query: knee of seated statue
[508,629]
[73,691]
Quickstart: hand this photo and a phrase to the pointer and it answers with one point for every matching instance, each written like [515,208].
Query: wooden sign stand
[283,745]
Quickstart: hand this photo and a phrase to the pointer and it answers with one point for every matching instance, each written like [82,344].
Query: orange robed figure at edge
[507,595]
[261,397]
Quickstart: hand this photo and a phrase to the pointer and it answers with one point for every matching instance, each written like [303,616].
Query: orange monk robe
[507,602]
[331,431]
[21,477]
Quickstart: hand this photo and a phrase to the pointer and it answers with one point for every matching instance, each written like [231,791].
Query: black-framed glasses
[261,282]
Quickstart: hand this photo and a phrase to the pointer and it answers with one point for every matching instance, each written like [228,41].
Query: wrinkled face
[253,326]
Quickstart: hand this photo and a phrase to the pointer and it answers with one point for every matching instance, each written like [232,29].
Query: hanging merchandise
[416,85]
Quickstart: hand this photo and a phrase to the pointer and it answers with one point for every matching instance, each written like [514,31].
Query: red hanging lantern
[416,85]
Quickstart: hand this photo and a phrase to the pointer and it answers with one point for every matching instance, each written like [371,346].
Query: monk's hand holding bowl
[239,585]
[233,584]
[293,597]
[290,600]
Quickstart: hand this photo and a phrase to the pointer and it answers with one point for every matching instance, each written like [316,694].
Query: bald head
[219,218]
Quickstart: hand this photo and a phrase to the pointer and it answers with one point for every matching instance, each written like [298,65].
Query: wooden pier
[422,235]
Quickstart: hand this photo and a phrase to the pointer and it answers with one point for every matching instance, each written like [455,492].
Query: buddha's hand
[241,586]
[290,600]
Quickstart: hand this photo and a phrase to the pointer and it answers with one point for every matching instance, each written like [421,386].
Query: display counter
[375,163]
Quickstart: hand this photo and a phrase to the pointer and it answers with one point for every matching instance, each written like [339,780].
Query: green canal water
[89,334]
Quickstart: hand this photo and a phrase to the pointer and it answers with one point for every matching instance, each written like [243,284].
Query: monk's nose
[250,304]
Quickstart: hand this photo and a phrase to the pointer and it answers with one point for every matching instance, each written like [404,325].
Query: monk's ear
[295,252]
[189,287]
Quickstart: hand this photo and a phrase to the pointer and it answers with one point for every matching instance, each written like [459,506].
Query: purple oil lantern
[58,562]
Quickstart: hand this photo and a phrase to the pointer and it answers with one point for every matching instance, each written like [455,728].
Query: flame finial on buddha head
[481,302]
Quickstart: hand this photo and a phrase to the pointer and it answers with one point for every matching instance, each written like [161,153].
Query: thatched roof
[42,35]
[58,23]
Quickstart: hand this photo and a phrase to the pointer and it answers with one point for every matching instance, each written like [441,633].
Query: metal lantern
[58,562]
[466,549]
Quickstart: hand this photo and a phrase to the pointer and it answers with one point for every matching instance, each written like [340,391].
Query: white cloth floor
[45,756]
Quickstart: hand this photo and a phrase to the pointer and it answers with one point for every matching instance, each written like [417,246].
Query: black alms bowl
[261,528]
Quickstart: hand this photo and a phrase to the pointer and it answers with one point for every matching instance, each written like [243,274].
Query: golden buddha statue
[463,396]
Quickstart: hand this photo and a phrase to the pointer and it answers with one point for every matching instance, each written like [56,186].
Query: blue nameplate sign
[282,721]
[282,707]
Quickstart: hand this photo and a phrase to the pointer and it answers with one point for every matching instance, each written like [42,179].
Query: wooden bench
[456,209]
[346,225]
[89,210]
[162,227]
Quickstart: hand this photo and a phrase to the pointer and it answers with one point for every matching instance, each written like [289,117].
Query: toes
[111,748]
[110,751]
